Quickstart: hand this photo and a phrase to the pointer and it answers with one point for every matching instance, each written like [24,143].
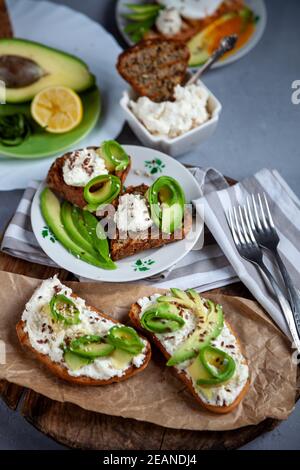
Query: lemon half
[57,109]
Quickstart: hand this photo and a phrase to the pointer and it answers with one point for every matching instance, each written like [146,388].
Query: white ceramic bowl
[178,145]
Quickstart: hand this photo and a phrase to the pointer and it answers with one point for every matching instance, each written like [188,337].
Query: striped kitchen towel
[216,264]
[285,209]
[203,269]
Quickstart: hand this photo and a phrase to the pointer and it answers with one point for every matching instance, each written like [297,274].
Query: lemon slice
[57,109]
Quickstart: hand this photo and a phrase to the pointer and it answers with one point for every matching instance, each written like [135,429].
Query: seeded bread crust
[62,372]
[122,248]
[73,194]
[135,320]
[153,67]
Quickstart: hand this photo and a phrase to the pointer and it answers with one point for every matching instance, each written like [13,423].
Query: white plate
[66,29]
[257,6]
[146,263]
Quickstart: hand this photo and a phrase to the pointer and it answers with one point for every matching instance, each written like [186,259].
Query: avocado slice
[91,347]
[199,44]
[208,329]
[79,223]
[27,67]
[192,301]
[50,207]
[197,371]
[98,237]
[75,362]
[169,298]
[121,359]
[108,163]
[72,231]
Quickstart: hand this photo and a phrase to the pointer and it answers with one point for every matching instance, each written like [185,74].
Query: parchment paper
[155,395]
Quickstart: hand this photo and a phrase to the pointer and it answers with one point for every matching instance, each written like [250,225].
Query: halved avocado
[50,207]
[27,67]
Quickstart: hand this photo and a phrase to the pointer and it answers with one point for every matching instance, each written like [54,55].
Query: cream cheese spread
[82,166]
[173,118]
[221,395]
[132,214]
[168,22]
[46,336]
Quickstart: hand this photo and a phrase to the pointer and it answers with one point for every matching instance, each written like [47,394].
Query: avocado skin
[51,211]
[60,68]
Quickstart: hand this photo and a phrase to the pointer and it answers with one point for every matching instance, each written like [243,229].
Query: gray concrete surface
[259,128]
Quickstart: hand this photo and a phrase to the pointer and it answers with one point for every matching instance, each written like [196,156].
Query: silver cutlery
[248,248]
[227,43]
[266,236]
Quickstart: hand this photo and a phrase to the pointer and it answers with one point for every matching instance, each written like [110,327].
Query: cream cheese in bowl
[174,118]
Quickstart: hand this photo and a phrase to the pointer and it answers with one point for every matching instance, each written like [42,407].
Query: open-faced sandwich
[88,210]
[198,343]
[76,342]
[150,217]
[200,24]
[74,175]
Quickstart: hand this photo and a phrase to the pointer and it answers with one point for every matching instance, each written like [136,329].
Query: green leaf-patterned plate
[43,144]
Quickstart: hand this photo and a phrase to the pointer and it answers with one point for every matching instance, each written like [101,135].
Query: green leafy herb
[14,129]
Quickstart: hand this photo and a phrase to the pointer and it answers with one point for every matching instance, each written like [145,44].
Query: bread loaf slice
[153,67]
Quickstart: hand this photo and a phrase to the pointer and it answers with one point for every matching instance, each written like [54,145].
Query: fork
[267,237]
[249,249]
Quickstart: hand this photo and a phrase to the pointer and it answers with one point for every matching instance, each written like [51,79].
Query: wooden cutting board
[77,428]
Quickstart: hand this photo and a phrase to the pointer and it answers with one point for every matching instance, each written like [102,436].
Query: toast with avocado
[199,345]
[106,166]
[154,67]
[77,342]
[146,227]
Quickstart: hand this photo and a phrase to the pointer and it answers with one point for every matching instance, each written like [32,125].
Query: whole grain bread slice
[73,194]
[62,372]
[134,315]
[122,247]
[153,67]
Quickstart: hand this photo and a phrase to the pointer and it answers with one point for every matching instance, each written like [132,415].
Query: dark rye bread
[151,238]
[73,194]
[154,67]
